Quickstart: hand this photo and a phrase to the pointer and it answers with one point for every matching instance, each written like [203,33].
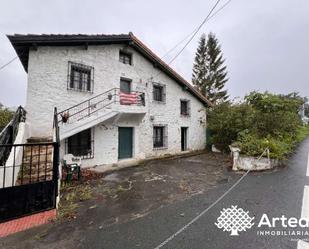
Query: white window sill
[160,148]
[159,102]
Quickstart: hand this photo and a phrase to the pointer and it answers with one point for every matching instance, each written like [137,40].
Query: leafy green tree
[307,109]
[226,121]
[5,116]
[262,120]
[275,114]
[209,72]
[268,102]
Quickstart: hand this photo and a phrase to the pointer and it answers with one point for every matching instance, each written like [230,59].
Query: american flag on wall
[128,98]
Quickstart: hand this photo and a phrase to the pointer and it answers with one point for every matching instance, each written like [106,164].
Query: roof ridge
[168,67]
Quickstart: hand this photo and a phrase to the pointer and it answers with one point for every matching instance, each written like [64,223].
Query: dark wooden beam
[35,46]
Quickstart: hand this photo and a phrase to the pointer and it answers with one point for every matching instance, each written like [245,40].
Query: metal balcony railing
[100,102]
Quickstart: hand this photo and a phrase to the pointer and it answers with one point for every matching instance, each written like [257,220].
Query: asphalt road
[275,193]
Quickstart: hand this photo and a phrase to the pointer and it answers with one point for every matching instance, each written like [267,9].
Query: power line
[192,35]
[195,32]
[187,36]
[6,64]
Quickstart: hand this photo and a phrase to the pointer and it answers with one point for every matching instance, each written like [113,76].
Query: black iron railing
[99,102]
[8,134]
[83,151]
[29,163]
[29,176]
[29,179]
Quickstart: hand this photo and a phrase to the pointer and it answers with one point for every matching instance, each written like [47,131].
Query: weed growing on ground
[71,197]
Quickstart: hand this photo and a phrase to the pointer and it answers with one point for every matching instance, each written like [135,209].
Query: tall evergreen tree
[209,72]
[199,67]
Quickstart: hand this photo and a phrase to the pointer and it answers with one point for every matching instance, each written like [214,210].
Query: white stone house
[116,99]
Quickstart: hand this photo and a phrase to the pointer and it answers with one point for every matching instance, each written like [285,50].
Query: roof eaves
[170,70]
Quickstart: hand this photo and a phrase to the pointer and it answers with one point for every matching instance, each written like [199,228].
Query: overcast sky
[265,42]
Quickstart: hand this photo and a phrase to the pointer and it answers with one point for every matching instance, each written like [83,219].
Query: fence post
[56,158]
[11,134]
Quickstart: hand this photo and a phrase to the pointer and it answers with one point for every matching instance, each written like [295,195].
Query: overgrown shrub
[253,145]
[226,121]
[262,120]
[5,116]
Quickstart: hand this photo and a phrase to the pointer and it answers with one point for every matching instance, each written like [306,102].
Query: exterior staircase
[37,162]
[96,110]
[67,130]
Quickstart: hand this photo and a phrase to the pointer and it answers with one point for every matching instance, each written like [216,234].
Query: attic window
[80,77]
[125,58]
[158,92]
[184,107]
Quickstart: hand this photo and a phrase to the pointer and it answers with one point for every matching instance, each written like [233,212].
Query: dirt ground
[133,192]
[102,200]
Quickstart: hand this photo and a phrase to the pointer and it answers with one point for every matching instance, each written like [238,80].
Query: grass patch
[67,210]
[302,133]
[71,197]
[120,189]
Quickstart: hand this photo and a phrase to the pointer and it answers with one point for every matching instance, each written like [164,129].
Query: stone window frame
[122,57]
[188,113]
[87,156]
[81,85]
[165,137]
[163,86]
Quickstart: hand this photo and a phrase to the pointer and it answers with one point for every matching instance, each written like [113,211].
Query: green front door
[125,142]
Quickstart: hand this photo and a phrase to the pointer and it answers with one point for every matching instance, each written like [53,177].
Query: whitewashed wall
[15,158]
[47,88]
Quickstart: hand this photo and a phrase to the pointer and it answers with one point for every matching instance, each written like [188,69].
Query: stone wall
[47,88]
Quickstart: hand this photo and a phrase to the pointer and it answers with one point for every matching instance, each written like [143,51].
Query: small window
[184,107]
[159,92]
[125,85]
[80,77]
[159,136]
[81,144]
[125,58]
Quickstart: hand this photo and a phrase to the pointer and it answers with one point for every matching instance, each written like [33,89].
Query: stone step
[34,179]
[38,150]
[37,160]
[39,139]
[26,167]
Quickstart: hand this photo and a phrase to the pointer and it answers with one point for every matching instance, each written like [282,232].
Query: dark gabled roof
[22,44]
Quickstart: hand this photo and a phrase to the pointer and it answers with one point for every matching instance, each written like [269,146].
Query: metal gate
[28,179]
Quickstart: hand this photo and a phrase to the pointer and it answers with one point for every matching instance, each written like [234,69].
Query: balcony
[99,109]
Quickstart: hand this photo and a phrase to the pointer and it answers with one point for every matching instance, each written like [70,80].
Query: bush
[5,117]
[226,121]
[262,120]
[253,145]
